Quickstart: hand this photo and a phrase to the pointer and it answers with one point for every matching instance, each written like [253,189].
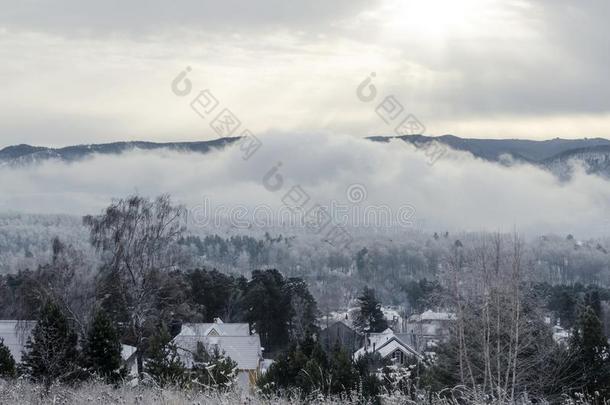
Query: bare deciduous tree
[138,239]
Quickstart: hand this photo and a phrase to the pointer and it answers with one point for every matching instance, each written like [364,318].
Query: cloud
[81,72]
[456,193]
[151,17]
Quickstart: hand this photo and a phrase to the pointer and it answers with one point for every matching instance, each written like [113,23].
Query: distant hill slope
[554,154]
[26,154]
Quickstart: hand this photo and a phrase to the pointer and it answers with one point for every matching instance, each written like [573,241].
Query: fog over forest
[456,193]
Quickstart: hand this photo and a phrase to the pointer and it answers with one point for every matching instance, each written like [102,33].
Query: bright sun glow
[437,19]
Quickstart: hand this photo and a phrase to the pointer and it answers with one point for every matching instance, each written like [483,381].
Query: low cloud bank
[456,192]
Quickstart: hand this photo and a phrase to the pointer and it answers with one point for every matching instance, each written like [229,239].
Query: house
[234,339]
[426,330]
[389,346]
[391,314]
[338,333]
[15,335]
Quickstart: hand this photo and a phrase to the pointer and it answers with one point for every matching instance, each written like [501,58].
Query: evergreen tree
[268,301]
[212,291]
[370,316]
[303,308]
[592,353]
[302,366]
[344,376]
[102,351]
[367,366]
[213,369]
[7,362]
[592,299]
[163,363]
[51,351]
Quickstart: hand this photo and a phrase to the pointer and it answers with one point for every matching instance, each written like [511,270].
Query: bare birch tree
[138,239]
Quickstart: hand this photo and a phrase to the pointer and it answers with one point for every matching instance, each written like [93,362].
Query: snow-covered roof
[390,314]
[384,343]
[244,350]
[218,328]
[234,339]
[393,344]
[430,315]
[347,317]
[15,334]
[560,335]
[127,351]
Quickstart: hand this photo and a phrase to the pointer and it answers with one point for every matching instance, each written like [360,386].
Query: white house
[389,346]
[15,334]
[234,339]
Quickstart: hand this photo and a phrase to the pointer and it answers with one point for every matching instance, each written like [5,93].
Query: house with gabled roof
[389,346]
[233,339]
[338,333]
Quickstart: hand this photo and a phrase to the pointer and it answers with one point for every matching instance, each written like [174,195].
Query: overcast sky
[91,72]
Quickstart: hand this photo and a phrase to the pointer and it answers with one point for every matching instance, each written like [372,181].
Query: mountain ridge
[554,154]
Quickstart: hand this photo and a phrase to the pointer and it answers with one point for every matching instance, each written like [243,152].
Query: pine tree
[593,353]
[7,362]
[102,351]
[304,366]
[51,351]
[213,369]
[342,370]
[163,363]
[370,316]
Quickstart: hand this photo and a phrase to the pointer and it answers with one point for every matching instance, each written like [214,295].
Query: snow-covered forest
[387,261]
[525,318]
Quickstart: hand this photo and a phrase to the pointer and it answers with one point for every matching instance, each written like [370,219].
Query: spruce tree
[342,370]
[163,363]
[102,350]
[593,353]
[7,362]
[370,316]
[51,352]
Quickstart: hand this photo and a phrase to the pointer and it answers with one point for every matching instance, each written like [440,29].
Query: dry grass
[21,392]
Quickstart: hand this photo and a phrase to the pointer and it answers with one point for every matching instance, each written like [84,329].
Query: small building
[389,346]
[338,333]
[560,335]
[129,358]
[15,335]
[234,339]
[426,330]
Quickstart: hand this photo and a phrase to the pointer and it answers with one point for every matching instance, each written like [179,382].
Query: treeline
[280,309]
[384,262]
